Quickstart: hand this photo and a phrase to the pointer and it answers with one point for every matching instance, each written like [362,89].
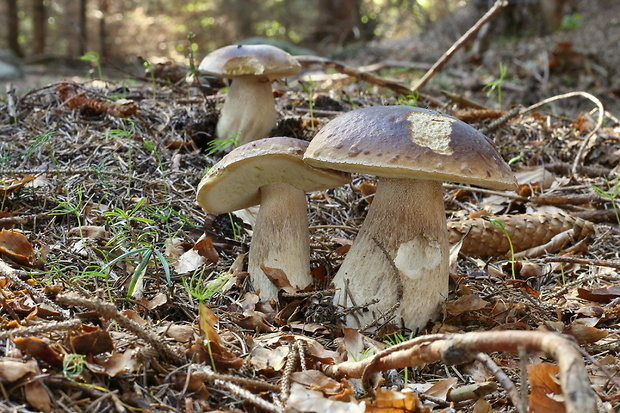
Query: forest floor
[102,266]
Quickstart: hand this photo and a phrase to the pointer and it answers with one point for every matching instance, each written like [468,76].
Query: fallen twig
[436,68]
[109,311]
[463,348]
[353,72]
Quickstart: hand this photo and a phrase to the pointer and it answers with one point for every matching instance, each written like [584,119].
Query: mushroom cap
[260,60]
[234,182]
[409,142]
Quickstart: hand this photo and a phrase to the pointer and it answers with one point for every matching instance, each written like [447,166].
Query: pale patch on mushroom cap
[409,142]
[257,60]
[234,182]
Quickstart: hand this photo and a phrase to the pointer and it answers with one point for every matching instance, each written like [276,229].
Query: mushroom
[249,111]
[270,172]
[398,264]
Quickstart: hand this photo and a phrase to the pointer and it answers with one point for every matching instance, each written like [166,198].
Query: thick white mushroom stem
[249,112]
[281,239]
[400,256]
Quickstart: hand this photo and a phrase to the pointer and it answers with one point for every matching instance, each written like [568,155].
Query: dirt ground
[113,299]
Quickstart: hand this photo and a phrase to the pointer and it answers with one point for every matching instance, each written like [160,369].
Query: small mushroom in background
[400,258]
[270,172]
[249,111]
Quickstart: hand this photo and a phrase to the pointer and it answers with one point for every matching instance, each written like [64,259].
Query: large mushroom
[270,172]
[249,111]
[398,264]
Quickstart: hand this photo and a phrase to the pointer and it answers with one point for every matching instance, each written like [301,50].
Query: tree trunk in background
[39,25]
[83,40]
[103,9]
[338,21]
[13,27]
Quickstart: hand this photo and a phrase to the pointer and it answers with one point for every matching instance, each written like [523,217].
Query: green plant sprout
[202,291]
[236,228]
[409,100]
[217,145]
[611,194]
[393,340]
[93,57]
[68,207]
[499,224]
[495,86]
[308,88]
[135,244]
[73,365]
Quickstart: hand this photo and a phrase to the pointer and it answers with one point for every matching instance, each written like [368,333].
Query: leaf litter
[88,189]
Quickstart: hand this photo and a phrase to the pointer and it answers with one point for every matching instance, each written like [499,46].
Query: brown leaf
[585,334]
[17,247]
[180,333]
[12,370]
[193,385]
[544,388]
[93,342]
[390,401]
[278,278]
[465,303]
[600,295]
[10,186]
[205,248]
[120,362]
[37,395]
[39,349]
[254,320]
[88,231]
[319,381]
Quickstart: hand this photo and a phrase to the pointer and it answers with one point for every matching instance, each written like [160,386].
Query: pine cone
[483,239]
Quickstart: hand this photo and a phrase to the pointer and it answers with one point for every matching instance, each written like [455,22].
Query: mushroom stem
[281,239]
[249,110]
[400,256]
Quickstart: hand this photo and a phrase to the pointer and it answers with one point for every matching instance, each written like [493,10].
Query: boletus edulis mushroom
[249,111]
[270,172]
[399,259]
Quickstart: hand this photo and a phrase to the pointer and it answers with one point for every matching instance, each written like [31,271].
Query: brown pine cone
[483,239]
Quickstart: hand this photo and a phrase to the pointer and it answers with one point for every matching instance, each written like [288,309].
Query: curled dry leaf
[16,246]
[180,333]
[600,295]
[585,334]
[39,349]
[465,303]
[546,392]
[305,400]
[93,342]
[10,186]
[391,401]
[278,278]
[88,231]
[12,370]
[120,363]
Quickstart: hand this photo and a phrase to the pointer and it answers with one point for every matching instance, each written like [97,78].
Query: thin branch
[488,16]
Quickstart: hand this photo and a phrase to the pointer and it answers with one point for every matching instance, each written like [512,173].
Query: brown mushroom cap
[409,142]
[256,60]
[234,182]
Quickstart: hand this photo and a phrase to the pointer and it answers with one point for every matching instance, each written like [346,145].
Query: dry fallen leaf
[17,247]
[390,401]
[305,400]
[545,388]
[12,370]
[120,363]
[93,342]
[464,304]
[600,295]
[39,349]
